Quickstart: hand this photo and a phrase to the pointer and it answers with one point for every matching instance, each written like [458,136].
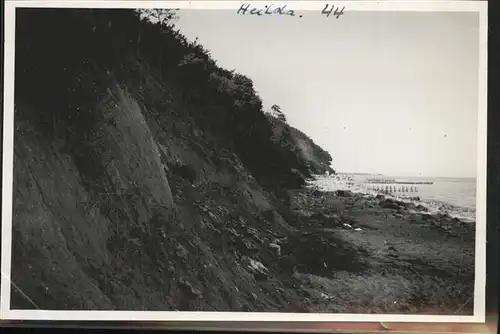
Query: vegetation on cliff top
[65,71]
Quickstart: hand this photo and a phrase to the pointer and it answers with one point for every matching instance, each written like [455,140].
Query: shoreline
[414,211]
[433,206]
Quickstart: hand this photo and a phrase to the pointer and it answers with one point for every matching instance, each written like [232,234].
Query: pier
[382,185]
[392,181]
[391,189]
[393,186]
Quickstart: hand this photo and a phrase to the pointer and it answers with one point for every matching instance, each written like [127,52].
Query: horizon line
[412,175]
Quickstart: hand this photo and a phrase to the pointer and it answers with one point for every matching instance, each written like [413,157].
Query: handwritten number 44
[335,11]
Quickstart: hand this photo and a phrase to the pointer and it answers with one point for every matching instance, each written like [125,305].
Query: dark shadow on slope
[322,254]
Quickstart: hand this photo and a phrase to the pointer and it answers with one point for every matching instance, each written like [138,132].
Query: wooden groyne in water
[394,189]
[414,182]
[391,181]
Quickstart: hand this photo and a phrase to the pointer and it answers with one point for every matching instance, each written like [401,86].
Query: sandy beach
[395,257]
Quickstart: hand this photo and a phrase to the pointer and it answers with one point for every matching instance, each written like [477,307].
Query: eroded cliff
[146,177]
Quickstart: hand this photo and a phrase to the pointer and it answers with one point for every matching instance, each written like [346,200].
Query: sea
[454,196]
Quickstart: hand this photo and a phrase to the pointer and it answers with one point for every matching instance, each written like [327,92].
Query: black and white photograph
[260,157]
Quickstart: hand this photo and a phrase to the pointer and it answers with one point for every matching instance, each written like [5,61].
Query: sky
[394,93]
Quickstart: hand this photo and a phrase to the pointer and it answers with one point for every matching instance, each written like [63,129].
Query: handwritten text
[267,10]
[336,11]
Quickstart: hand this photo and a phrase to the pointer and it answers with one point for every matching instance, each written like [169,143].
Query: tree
[279,114]
[276,108]
[165,17]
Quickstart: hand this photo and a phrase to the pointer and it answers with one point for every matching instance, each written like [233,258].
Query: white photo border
[127,316]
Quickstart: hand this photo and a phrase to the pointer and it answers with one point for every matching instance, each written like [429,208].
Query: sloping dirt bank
[145,176]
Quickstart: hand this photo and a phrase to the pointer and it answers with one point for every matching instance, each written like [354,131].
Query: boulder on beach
[417,218]
[429,217]
[420,207]
[444,216]
[259,271]
[389,204]
[317,193]
[275,248]
[344,193]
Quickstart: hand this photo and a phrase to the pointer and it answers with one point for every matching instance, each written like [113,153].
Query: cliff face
[145,176]
[313,156]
